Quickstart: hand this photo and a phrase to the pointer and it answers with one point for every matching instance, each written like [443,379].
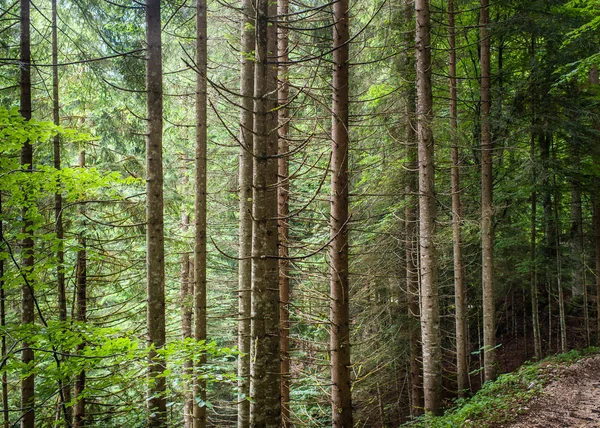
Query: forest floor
[570,399]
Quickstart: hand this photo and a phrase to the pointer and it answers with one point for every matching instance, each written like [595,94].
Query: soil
[570,400]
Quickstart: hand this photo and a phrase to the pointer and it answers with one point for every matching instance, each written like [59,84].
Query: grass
[504,399]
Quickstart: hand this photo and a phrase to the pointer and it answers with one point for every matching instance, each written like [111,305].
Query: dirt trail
[570,400]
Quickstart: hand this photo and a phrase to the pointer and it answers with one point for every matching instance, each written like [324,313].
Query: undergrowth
[505,398]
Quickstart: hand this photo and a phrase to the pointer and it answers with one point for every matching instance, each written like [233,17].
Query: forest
[291,213]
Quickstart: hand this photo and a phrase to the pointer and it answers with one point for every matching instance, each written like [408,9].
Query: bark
[3,326]
[597,267]
[245,210]
[155,258]
[265,378]
[187,307]
[577,287]
[341,398]
[460,298]
[533,268]
[411,250]
[596,214]
[58,224]
[561,298]
[27,255]
[79,414]
[283,190]
[430,318]
[533,263]
[200,210]
[487,207]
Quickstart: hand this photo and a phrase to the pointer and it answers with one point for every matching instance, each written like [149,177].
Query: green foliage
[502,400]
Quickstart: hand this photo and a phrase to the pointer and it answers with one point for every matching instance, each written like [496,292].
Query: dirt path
[570,400]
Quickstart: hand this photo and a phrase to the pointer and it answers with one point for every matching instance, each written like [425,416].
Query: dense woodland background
[381,203]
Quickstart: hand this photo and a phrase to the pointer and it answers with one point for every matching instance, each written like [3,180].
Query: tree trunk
[533,261]
[460,297]
[79,416]
[411,250]
[58,224]
[265,378]
[27,291]
[561,298]
[245,210]
[430,317]
[596,214]
[577,287]
[341,398]
[187,307]
[597,267]
[3,326]
[200,211]
[283,212]
[155,258]
[487,202]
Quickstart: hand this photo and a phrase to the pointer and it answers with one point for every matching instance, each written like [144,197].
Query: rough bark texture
[283,190]
[576,235]
[27,261]
[460,291]
[411,250]
[341,398]
[58,220]
[596,209]
[245,208]
[533,277]
[430,318]
[265,378]
[487,202]
[79,416]
[155,257]
[3,325]
[186,294]
[200,209]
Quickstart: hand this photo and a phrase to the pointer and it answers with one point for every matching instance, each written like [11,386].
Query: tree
[341,398]
[155,261]
[200,212]
[462,370]
[246,138]
[283,190]
[430,321]
[265,377]
[487,203]
[27,256]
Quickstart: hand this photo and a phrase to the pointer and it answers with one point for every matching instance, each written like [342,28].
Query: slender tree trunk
[265,377]
[283,211]
[411,250]
[430,317]
[577,287]
[596,213]
[460,292]
[27,291]
[341,396]
[561,298]
[155,258]
[487,202]
[245,209]
[597,267]
[3,326]
[533,261]
[58,225]
[187,308]
[79,414]
[200,210]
